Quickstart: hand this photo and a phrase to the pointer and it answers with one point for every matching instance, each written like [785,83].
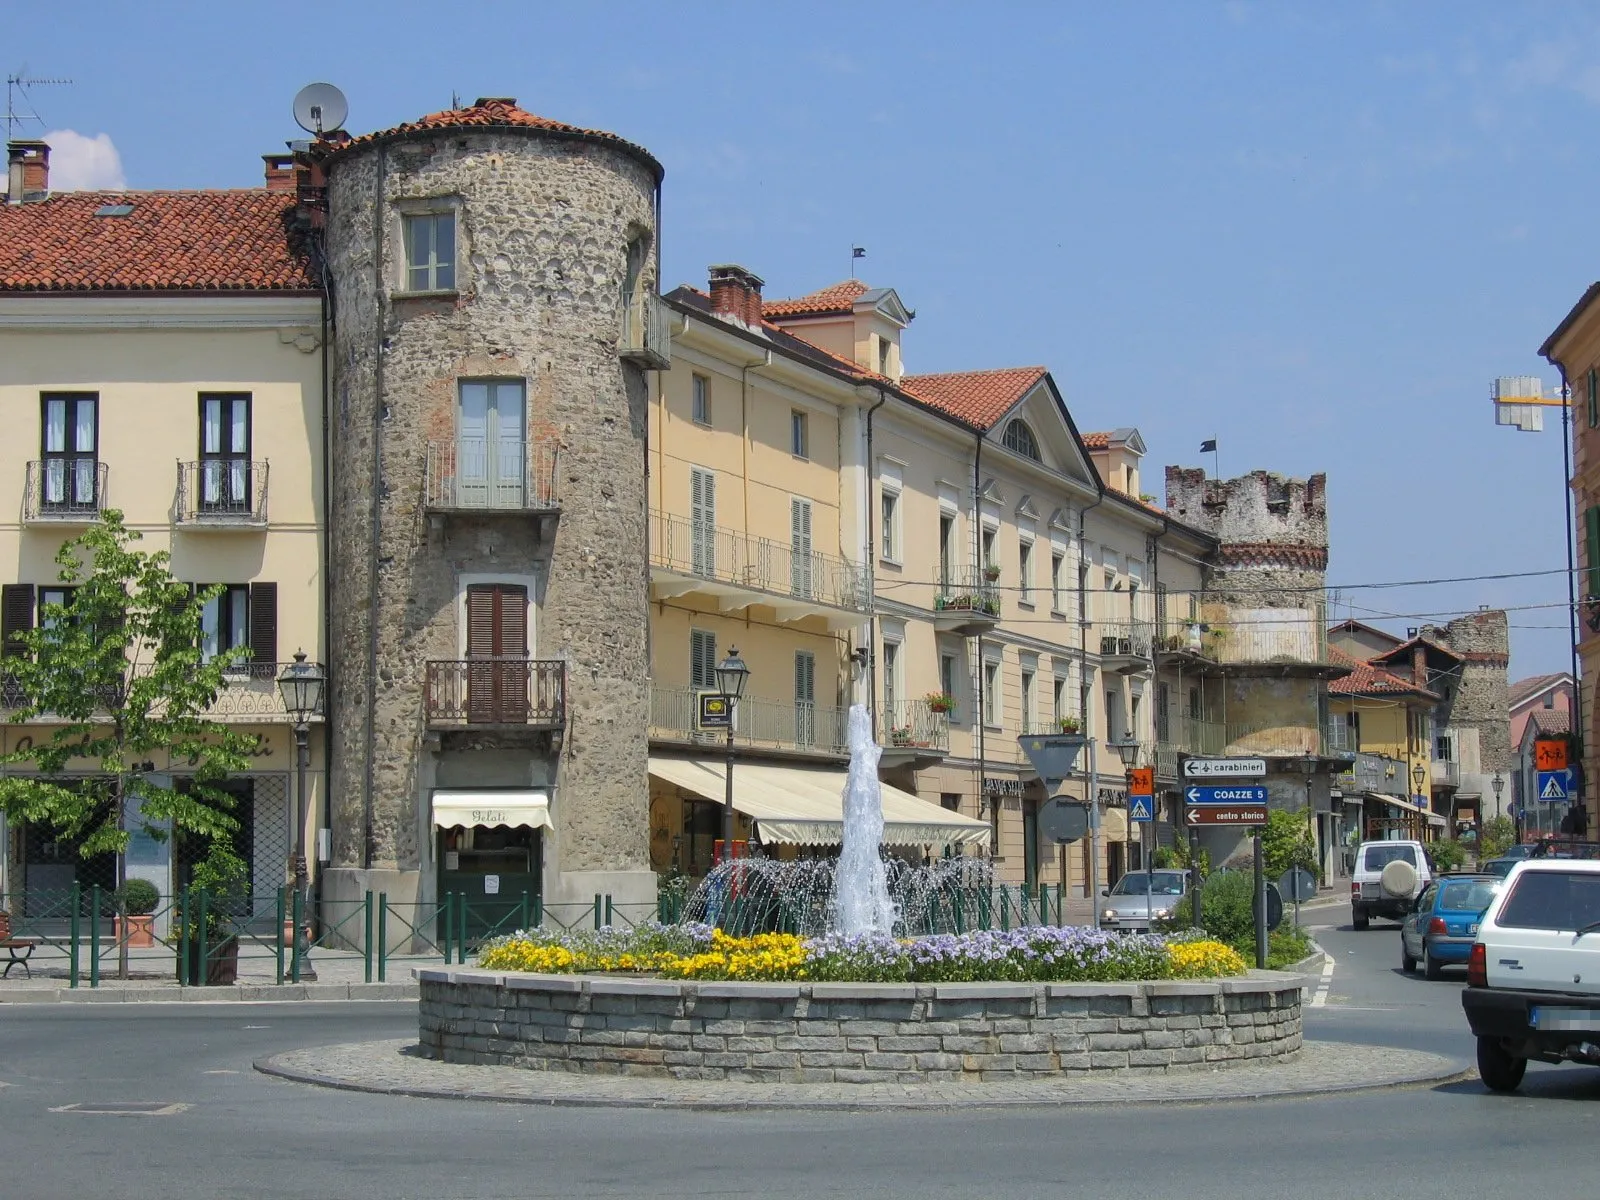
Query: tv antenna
[19,105]
[320,108]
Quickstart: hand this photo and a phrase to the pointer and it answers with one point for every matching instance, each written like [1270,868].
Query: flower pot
[141,930]
[221,966]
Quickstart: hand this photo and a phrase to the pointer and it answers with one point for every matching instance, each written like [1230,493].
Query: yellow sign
[715,711]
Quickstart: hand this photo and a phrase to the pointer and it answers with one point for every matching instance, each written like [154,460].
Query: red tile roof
[1366,679]
[1096,441]
[838,298]
[203,241]
[1551,720]
[980,398]
[494,112]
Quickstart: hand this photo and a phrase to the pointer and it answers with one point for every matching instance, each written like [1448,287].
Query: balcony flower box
[991,573]
[941,702]
[1068,724]
[900,737]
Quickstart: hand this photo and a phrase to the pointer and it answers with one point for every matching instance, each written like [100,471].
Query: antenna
[17,89]
[320,108]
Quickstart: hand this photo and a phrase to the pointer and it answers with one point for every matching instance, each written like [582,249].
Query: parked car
[1440,929]
[1140,897]
[1498,867]
[1521,850]
[1387,879]
[1533,974]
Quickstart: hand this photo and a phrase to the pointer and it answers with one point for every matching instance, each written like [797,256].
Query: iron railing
[478,475]
[779,724]
[1123,639]
[646,337]
[222,492]
[687,548]
[1446,772]
[496,691]
[69,489]
[249,691]
[970,591]
[911,724]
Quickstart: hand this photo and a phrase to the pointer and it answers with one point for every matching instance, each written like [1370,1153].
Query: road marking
[121,1109]
[1320,1000]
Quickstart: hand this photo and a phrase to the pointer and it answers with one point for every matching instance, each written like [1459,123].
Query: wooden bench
[20,949]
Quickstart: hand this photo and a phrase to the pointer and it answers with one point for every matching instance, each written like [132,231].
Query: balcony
[912,734]
[1124,645]
[967,603]
[496,693]
[738,570]
[64,491]
[1187,735]
[478,477]
[221,493]
[249,695]
[758,723]
[646,337]
[1446,773]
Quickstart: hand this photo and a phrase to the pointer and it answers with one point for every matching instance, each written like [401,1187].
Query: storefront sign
[1002,787]
[1114,796]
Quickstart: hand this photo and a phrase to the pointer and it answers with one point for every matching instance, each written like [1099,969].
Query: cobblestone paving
[394,1067]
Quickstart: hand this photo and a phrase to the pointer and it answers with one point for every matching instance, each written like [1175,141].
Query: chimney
[736,295]
[280,172]
[28,170]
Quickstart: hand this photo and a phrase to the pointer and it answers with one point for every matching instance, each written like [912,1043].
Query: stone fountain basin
[854,1032]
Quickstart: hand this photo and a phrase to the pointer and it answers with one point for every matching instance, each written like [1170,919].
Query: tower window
[430,252]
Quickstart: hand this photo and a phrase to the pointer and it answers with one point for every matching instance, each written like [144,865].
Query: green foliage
[138,898]
[1499,834]
[119,674]
[1447,854]
[1286,842]
[1226,911]
[1177,855]
[1286,946]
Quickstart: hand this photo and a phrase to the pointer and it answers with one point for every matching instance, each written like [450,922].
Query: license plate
[1578,1019]
[1472,929]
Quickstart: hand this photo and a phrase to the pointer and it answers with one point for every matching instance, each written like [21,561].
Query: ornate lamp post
[732,675]
[1499,785]
[1128,751]
[301,685]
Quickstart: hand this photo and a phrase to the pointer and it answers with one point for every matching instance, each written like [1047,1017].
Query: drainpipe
[327,559]
[871,559]
[977,549]
[1155,669]
[376,518]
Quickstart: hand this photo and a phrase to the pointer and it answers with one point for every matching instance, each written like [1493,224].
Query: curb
[246,993]
[1440,1072]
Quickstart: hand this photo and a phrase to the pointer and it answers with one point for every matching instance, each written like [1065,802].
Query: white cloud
[83,164]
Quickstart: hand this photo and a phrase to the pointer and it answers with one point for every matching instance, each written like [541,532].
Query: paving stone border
[123,992]
[854,1033]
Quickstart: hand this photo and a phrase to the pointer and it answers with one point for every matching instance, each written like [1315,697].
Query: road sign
[1139,808]
[1549,754]
[1053,755]
[1298,884]
[1555,787]
[1239,793]
[1224,768]
[1142,781]
[1226,814]
[1064,820]
[715,711]
[1274,906]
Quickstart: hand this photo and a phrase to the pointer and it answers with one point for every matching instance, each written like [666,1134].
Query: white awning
[519,810]
[1400,803]
[804,806]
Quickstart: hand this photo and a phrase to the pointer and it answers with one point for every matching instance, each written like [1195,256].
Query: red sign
[1549,755]
[1142,781]
[1226,814]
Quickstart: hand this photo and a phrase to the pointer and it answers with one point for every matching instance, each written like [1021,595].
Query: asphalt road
[244,1135]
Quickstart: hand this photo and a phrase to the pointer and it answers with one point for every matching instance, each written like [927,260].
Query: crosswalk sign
[1555,786]
[1139,808]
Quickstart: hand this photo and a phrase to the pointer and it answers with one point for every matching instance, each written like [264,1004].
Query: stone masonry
[854,1032]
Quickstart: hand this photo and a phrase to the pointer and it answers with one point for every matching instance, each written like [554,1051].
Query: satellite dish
[320,108]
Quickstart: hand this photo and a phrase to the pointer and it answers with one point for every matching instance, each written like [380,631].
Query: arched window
[1020,438]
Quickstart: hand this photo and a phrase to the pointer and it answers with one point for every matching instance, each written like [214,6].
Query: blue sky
[1316,232]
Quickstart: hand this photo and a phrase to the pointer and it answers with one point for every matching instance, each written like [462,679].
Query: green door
[491,876]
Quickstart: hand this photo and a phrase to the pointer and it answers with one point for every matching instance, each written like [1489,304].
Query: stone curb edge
[1457,1073]
[267,993]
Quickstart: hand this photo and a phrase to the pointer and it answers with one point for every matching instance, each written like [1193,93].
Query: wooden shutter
[263,622]
[703,521]
[805,694]
[1591,548]
[800,547]
[497,648]
[1594,398]
[16,617]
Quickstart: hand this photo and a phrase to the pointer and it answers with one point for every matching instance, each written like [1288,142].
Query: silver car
[1141,897]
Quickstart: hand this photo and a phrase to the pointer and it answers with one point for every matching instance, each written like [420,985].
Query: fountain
[861,901]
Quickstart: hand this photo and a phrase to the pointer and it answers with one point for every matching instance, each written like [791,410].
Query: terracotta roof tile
[1551,720]
[979,398]
[1366,679]
[1523,690]
[203,241]
[837,298]
[1096,441]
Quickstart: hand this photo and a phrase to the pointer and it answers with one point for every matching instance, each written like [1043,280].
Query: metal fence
[912,723]
[221,492]
[690,548]
[506,475]
[497,691]
[782,724]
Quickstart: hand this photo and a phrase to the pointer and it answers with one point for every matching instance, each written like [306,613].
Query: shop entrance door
[495,874]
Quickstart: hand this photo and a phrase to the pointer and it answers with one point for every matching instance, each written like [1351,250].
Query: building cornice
[65,313]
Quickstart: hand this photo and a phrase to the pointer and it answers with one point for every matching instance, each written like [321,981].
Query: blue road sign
[1139,808]
[1239,793]
[1555,787]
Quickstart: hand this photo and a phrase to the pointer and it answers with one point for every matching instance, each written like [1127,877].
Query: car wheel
[1361,920]
[1407,963]
[1499,1070]
[1431,967]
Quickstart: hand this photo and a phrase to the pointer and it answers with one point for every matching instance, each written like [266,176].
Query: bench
[20,949]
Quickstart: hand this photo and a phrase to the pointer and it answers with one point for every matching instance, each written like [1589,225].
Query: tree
[120,671]
[1286,842]
[1498,834]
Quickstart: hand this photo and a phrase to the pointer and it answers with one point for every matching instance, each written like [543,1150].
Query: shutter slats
[16,617]
[513,621]
[480,621]
[263,622]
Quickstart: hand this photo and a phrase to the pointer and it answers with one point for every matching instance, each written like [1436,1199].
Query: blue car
[1442,925]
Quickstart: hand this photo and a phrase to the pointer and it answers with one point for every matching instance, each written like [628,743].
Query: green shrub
[1226,912]
[139,897]
[1286,946]
[1498,835]
[1447,854]
[1287,842]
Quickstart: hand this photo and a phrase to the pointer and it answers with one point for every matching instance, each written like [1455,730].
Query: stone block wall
[853,1032]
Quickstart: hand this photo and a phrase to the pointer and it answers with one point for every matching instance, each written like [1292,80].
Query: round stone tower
[493,277]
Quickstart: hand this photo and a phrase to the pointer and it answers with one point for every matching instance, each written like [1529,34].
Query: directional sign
[1224,768]
[1142,781]
[1549,754]
[1555,787]
[1226,814]
[1239,793]
[1139,808]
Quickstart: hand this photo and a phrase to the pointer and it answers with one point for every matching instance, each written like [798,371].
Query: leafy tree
[1286,842]
[119,670]
[1447,854]
[1498,835]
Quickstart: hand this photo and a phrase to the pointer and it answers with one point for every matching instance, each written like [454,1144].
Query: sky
[1315,232]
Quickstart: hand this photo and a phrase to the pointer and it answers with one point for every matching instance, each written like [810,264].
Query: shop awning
[1114,825]
[804,806]
[1407,806]
[519,810]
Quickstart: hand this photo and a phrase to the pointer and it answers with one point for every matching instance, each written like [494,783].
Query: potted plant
[991,572]
[203,933]
[135,904]
[941,702]
[900,735]
[1068,724]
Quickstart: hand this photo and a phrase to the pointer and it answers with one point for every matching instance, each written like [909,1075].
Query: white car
[1388,878]
[1533,974]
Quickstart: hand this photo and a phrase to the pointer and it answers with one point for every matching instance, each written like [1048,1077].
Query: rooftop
[835,299]
[1524,690]
[980,398]
[1368,679]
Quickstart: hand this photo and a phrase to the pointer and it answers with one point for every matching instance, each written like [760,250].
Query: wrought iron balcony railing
[646,337]
[970,592]
[68,490]
[776,724]
[688,549]
[1375,773]
[222,492]
[476,692]
[479,475]
[912,725]
[1123,639]
[249,693]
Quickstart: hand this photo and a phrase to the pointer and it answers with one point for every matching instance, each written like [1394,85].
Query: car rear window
[1379,857]
[1552,900]
[1466,895]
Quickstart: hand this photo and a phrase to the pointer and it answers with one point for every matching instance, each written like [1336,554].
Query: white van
[1387,879]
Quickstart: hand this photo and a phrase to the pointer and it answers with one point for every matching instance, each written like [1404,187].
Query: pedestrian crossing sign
[1555,786]
[1139,808]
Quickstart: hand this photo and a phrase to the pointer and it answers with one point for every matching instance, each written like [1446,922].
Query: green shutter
[1594,398]
[1591,549]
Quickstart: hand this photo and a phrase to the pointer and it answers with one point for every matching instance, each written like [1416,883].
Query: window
[987,543]
[1026,700]
[497,672]
[1058,699]
[225,452]
[799,439]
[1025,572]
[1194,704]
[700,402]
[1083,591]
[1591,548]
[51,599]
[805,698]
[950,801]
[430,252]
[702,659]
[891,525]
[1379,856]
[1057,561]
[1019,437]
[947,678]
[1554,900]
[883,355]
[1161,610]
[1549,699]
[1113,712]
[1133,714]
[225,621]
[1443,748]
[947,533]
[703,521]
[994,826]
[1163,713]
[991,693]
[69,448]
[491,444]
[891,680]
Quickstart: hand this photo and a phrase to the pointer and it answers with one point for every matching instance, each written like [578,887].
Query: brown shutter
[513,622]
[16,617]
[264,622]
[480,621]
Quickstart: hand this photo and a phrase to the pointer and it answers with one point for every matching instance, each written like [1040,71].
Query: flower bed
[1033,954]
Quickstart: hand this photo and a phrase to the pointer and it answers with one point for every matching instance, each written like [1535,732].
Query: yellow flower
[1204,960]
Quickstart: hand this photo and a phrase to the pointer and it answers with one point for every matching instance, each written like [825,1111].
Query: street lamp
[1128,751]
[1418,774]
[1499,785]
[301,686]
[732,675]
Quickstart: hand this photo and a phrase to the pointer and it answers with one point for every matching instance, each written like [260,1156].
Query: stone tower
[490,273]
